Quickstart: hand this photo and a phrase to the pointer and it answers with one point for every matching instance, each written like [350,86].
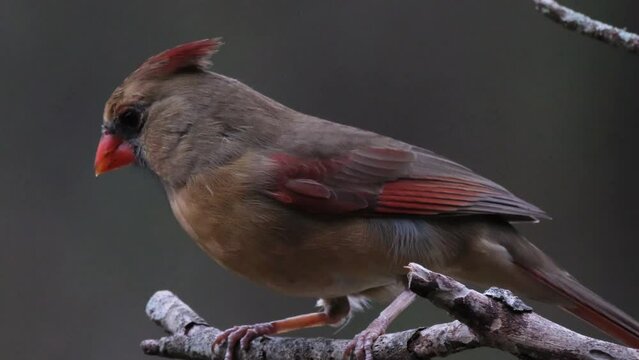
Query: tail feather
[590,307]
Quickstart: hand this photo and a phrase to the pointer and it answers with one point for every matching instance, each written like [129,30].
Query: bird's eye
[131,119]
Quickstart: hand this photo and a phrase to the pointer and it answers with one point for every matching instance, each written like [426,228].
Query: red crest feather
[196,54]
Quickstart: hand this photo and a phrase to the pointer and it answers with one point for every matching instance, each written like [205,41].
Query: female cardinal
[314,208]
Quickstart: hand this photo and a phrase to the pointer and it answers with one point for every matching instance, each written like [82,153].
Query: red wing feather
[387,180]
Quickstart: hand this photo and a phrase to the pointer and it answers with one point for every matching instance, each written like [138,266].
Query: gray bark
[590,27]
[494,319]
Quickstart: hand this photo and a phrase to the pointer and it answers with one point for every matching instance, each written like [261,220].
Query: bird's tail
[590,307]
[500,256]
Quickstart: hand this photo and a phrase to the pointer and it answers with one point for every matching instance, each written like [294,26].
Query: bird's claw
[243,334]
[362,343]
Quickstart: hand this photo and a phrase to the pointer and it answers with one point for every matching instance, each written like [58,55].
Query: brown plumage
[314,208]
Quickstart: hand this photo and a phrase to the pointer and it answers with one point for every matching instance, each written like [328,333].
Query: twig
[590,27]
[495,319]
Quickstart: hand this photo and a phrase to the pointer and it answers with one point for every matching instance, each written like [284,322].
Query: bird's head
[151,112]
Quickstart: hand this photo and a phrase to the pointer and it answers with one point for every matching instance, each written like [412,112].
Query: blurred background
[544,111]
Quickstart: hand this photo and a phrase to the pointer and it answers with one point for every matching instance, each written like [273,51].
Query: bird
[314,208]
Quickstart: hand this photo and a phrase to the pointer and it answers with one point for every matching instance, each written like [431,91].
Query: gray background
[494,85]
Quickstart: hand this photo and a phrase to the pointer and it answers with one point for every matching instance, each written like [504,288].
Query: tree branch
[503,321]
[590,27]
[494,319]
[191,338]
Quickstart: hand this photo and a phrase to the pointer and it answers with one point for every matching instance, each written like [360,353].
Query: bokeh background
[546,112]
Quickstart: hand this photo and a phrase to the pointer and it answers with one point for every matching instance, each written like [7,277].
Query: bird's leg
[335,311]
[362,344]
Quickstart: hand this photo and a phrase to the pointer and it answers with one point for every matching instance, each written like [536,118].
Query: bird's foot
[362,343]
[242,334]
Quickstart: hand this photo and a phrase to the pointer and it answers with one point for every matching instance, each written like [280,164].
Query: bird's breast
[289,251]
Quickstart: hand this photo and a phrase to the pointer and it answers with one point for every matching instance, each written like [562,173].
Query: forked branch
[495,319]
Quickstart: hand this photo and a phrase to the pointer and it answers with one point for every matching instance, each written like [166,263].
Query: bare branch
[191,338]
[495,319]
[590,27]
[502,321]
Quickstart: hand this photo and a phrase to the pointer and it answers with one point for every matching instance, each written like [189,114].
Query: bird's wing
[390,180]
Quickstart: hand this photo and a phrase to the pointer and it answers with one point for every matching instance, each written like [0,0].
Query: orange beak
[112,153]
